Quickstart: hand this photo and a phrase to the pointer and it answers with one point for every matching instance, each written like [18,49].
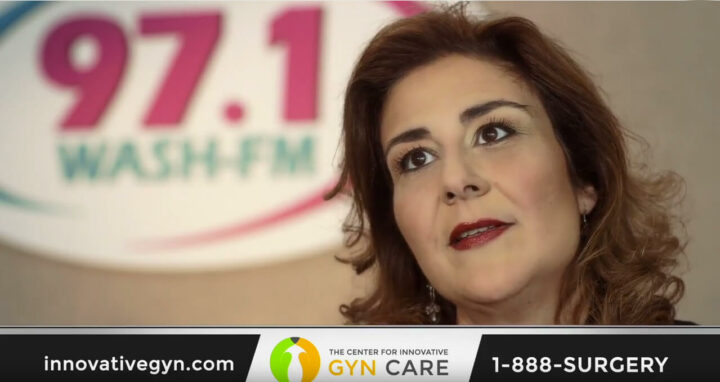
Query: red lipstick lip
[491,234]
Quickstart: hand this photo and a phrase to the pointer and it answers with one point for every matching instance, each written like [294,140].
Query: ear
[586,198]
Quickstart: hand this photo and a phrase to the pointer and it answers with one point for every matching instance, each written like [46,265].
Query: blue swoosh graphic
[33,205]
[17,12]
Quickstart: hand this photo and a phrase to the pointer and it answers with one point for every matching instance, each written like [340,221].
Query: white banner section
[367,354]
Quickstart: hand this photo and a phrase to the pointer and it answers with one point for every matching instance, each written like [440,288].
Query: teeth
[475,231]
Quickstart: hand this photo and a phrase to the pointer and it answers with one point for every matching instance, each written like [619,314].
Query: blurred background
[164,163]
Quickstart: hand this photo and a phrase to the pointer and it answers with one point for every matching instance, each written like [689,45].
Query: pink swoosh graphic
[303,206]
[407,8]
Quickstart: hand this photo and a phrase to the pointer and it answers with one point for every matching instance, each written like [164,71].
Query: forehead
[442,89]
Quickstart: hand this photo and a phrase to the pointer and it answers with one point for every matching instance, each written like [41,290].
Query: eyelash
[500,123]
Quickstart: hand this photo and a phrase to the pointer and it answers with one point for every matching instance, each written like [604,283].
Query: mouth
[474,234]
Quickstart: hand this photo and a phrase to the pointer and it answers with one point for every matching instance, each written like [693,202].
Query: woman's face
[482,193]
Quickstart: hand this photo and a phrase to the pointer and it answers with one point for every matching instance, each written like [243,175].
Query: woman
[491,182]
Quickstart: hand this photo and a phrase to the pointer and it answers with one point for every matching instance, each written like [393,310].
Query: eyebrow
[466,116]
[484,108]
[408,136]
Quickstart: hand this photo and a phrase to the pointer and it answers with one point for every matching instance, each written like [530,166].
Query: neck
[531,306]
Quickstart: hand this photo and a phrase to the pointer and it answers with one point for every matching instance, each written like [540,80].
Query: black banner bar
[126,357]
[598,357]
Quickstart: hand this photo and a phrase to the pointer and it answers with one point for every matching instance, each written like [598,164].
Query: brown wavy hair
[622,272]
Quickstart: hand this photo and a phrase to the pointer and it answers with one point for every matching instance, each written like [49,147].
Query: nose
[462,180]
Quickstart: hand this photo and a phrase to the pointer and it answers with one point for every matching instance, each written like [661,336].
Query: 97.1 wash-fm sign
[176,135]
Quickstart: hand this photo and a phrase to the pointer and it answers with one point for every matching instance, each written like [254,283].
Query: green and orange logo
[307,354]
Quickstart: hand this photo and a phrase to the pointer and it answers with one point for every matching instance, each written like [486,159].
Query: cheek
[535,181]
[537,185]
[415,213]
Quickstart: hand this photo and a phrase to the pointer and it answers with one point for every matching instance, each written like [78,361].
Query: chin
[492,287]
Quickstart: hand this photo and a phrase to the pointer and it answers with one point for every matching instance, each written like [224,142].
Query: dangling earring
[584,220]
[432,309]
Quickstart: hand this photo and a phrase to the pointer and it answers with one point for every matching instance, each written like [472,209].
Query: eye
[492,133]
[415,159]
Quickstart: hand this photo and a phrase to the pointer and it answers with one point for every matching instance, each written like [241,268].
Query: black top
[680,322]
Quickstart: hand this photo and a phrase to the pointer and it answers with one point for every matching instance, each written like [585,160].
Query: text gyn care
[393,366]
[597,364]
